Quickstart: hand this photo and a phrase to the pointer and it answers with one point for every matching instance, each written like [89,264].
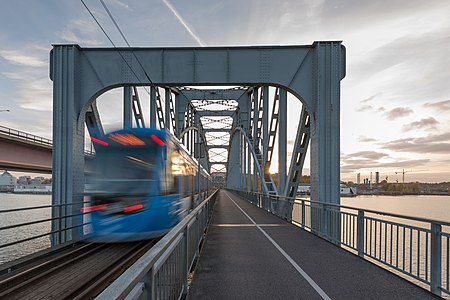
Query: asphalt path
[251,254]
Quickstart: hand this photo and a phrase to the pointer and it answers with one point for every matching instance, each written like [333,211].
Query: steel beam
[127,107]
[282,141]
[312,73]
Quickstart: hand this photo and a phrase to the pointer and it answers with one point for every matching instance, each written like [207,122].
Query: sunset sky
[395,98]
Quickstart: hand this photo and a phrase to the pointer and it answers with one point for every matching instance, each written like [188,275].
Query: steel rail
[28,276]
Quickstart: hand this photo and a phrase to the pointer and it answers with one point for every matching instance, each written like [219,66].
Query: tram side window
[171,187]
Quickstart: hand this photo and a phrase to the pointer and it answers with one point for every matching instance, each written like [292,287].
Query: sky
[395,98]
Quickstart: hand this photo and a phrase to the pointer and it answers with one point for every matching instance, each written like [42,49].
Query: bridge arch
[312,73]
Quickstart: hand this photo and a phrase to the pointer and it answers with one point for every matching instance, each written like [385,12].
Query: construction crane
[403,174]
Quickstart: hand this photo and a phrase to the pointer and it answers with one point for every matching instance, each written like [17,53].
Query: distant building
[377,178]
[7,182]
[37,180]
[24,180]
[358,178]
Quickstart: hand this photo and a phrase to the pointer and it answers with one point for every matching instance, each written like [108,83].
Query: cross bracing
[311,74]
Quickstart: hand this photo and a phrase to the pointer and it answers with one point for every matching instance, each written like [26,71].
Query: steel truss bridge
[232,131]
[229,107]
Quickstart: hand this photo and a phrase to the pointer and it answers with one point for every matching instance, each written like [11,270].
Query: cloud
[432,144]
[373,155]
[364,107]
[429,123]
[439,106]
[365,139]
[120,4]
[16,57]
[373,165]
[398,113]
[82,31]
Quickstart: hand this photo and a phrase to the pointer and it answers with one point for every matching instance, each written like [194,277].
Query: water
[402,244]
[10,201]
[431,207]
[425,206]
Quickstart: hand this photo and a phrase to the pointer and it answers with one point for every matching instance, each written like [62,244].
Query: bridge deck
[251,254]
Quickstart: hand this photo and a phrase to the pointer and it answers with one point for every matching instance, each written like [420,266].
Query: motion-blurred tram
[144,182]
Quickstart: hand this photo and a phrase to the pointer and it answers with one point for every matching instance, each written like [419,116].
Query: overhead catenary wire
[117,49]
[133,53]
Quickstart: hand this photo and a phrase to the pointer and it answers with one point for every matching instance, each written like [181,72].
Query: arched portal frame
[234,151]
[202,135]
[312,73]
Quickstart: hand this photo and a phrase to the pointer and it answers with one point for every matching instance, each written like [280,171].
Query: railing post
[303,214]
[436,253]
[360,233]
[185,263]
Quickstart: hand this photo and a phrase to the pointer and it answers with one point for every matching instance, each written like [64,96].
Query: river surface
[425,206]
[432,207]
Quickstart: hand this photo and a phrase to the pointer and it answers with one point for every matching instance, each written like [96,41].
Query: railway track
[78,273]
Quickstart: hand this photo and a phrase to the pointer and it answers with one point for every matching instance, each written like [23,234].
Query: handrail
[25,136]
[32,138]
[419,251]
[164,269]
[39,221]
[418,219]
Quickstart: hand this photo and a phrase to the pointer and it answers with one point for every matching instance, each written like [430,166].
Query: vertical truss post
[137,110]
[298,154]
[282,141]
[127,122]
[172,112]
[272,131]
[159,110]
[192,123]
[265,127]
[249,134]
[93,122]
[167,109]
[152,107]
[180,111]
[249,168]
[244,163]
[255,134]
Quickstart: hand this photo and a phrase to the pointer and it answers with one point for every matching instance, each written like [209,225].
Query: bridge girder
[312,73]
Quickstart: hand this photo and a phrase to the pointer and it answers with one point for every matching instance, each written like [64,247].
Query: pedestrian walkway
[251,254]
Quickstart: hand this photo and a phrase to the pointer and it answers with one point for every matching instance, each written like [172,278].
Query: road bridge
[21,151]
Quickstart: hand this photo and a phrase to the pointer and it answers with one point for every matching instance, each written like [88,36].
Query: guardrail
[25,136]
[162,272]
[416,247]
[38,226]
[33,138]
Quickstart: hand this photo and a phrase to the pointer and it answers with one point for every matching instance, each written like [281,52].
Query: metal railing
[11,238]
[33,138]
[162,272]
[416,247]
[25,136]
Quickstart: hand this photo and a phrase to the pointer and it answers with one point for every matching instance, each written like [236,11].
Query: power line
[115,23]
[110,40]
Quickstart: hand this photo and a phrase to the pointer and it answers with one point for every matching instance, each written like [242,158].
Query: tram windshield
[125,170]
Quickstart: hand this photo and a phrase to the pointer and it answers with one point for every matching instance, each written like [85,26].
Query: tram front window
[125,170]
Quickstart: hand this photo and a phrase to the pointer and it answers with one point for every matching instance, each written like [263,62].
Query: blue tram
[144,182]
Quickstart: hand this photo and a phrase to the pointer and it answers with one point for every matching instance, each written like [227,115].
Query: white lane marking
[293,263]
